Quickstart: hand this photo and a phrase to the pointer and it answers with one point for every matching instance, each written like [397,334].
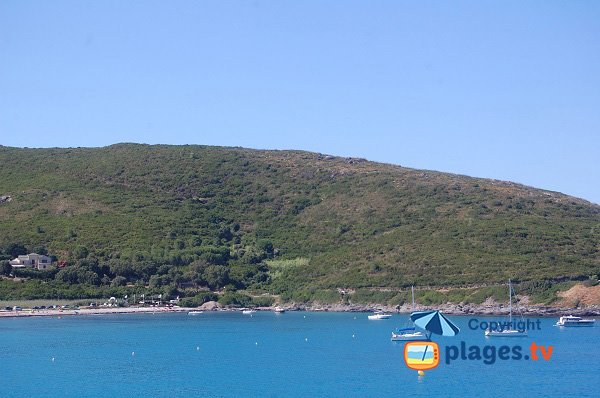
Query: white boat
[195,312]
[506,333]
[248,311]
[409,333]
[379,315]
[279,310]
[510,331]
[571,320]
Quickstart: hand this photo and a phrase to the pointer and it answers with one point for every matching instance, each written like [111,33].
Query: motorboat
[379,315]
[571,320]
[248,311]
[195,312]
[279,310]
[408,334]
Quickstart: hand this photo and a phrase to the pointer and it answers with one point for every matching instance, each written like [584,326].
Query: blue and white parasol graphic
[434,322]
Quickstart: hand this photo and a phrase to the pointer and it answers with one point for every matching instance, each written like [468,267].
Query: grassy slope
[359,223]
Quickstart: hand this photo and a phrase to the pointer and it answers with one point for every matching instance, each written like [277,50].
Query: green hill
[185,218]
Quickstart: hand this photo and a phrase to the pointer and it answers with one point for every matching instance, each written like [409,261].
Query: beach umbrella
[434,322]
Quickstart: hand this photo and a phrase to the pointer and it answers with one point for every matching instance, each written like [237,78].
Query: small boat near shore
[247,311]
[279,310]
[506,333]
[571,320]
[379,315]
[409,333]
[510,331]
[195,312]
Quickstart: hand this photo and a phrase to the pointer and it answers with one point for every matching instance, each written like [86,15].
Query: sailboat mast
[412,289]
[510,303]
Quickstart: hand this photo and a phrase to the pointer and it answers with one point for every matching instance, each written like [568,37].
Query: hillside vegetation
[184,219]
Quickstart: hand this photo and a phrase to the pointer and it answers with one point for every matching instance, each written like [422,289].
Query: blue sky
[507,90]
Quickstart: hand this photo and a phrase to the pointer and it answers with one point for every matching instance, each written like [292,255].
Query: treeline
[209,268]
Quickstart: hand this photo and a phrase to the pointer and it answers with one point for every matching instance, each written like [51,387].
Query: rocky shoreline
[452,309]
[486,309]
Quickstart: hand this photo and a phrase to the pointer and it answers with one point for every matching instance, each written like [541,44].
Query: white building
[34,260]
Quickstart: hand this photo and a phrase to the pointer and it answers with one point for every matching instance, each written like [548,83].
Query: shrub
[235,299]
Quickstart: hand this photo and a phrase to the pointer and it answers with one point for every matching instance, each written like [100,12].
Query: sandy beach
[92,311]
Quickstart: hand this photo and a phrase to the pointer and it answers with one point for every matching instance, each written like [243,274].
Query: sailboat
[409,333]
[510,331]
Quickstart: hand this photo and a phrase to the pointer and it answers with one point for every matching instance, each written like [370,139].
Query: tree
[216,276]
[73,275]
[266,246]
[81,252]
[169,293]
[15,250]
[40,250]
[5,267]
[118,281]
[155,281]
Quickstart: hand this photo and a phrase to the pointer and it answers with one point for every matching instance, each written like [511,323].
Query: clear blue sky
[504,89]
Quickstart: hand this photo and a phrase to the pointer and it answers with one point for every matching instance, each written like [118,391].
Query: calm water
[294,354]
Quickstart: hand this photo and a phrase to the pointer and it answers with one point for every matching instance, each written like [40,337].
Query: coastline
[448,308]
[491,309]
[25,313]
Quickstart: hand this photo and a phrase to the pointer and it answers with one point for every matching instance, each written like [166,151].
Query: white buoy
[306,339]
[52,359]
[198,348]
[132,353]
[352,336]
[304,316]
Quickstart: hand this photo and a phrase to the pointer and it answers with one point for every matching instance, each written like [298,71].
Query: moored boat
[409,333]
[571,320]
[195,312]
[379,315]
[510,331]
[506,333]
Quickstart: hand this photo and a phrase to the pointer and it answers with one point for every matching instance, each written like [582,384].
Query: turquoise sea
[296,354]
